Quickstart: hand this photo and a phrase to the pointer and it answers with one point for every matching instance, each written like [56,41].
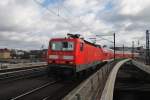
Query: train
[72,55]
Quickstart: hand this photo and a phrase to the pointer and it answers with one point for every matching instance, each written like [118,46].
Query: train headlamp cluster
[68,57]
[53,56]
[64,57]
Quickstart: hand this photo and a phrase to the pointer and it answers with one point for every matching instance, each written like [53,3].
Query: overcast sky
[26,24]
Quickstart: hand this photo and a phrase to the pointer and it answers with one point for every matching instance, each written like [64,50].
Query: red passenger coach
[72,54]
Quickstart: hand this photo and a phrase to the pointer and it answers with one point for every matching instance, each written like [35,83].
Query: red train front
[72,55]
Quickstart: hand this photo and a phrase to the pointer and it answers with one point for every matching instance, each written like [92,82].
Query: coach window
[81,46]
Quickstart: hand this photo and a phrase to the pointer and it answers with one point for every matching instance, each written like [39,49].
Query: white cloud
[32,25]
[84,6]
[133,7]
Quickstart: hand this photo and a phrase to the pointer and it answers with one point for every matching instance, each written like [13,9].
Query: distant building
[5,54]
[38,53]
[32,54]
[17,53]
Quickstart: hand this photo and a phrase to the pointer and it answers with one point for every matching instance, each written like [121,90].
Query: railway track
[43,89]
[48,91]
[28,86]
[14,88]
[22,74]
[38,88]
[34,90]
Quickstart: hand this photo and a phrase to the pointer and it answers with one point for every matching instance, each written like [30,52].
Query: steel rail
[21,70]
[20,73]
[46,98]
[34,90]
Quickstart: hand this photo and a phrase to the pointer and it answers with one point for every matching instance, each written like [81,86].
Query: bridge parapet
[100,84]
[141,66]
[107,93]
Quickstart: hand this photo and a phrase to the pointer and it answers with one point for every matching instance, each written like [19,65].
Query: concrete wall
[88,90]
[96,85]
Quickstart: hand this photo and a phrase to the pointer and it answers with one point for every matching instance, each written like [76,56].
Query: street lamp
[114,46]
[132,49]
[123,50]
[147,48]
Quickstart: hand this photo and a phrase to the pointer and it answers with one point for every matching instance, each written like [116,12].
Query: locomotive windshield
[63,46]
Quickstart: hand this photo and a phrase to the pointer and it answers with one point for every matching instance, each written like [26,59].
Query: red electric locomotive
[72,54]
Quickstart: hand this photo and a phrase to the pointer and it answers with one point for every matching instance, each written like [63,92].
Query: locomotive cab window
[81,46]
[67,46]
[62,46]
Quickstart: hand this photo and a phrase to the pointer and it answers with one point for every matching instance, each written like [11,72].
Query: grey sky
[26,25]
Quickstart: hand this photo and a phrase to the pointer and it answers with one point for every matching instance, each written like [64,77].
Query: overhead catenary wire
[87,26]
[105,39]
[51,11]
[65,19]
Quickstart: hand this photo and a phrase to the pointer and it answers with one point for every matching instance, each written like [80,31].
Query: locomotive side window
[81,46]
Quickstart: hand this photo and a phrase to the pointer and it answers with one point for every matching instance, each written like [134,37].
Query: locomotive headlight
[68,57]
[53,56]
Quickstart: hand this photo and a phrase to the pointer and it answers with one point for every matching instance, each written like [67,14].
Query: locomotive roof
[78,38]
[92,43]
